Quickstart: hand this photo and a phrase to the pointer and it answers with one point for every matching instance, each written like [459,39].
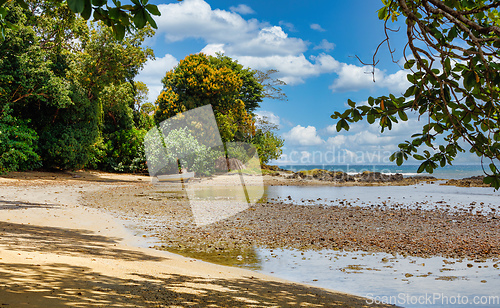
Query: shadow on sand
[72,242]
[62,285]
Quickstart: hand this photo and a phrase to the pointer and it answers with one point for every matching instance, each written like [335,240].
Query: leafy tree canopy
[119,17]
[454,72]
[200,80]
[234,93]
[67,87]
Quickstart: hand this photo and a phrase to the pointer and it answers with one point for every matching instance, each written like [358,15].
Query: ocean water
[424,195]
[447,172]
[404,281]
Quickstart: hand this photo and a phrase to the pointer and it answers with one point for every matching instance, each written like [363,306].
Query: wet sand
[166,214]
[57,250]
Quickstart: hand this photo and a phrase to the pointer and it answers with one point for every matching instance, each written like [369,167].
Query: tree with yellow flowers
[233,91]
[200,80]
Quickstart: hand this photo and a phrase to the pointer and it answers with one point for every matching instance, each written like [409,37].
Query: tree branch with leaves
[454,75]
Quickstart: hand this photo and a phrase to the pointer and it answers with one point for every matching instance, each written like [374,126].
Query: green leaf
[119,31]
[410,91]
[87,11]
[99,2]
[493,168]
[402,115]
[399,158]
[351,103]
[370,118]
[339,125]
[422,167]
[382,13]
[345,125]
[22,4]
[453,33]
[469,80]
[151,21]
[153,9]
[409,64]
[140,18]
[98,14]
[488,179]
[76,6]
[114,13]
[418,157]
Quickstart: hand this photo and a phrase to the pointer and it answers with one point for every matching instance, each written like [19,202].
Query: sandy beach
[58,251]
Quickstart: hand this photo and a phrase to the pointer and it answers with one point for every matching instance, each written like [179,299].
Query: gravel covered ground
[418,232]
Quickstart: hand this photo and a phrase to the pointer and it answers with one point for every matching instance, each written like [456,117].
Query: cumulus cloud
[154,71]
[325,45]
[268,41]
[293,69]
[263,46]
[354,78]
[256,44]
[304,136]
[337,141]
[368,138]
[196,19]
[268,116]
[317,27]
[242,9]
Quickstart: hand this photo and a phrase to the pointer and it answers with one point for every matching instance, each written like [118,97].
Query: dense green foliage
[120,18]
[268,144]
[68,98]
[455,77]
[233,91]
[66,93]
[18,144]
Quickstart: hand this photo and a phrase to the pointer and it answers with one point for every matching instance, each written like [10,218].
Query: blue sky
[312,44]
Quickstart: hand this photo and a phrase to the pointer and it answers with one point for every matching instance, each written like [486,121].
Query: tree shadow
[63,285]
[77,176]
[73,242]
[20,205]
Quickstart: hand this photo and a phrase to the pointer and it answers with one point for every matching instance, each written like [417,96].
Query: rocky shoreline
[378,228]
[339,178]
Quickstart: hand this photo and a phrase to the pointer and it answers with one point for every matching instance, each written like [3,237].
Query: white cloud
[268,41]
[195,18]
[317,27]
[397,82]
[212,49]
[354,78]
[268,116]
[293,69]
[337,141]
[368,138]
[325,45]
[262,46]
[305,136]
[154,71]
[331,129]
[242,9]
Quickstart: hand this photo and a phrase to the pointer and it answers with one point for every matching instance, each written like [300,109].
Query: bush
[18,144]
[125,151]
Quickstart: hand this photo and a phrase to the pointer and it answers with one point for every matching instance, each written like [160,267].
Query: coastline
[56,251]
